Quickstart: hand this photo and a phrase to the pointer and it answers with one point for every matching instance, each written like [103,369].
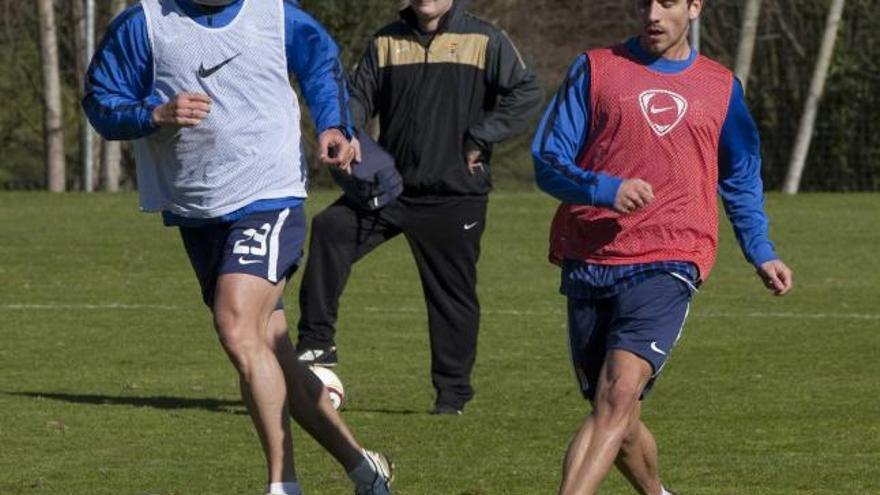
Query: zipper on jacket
[428,46]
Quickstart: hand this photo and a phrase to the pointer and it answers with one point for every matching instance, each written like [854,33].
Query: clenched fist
[184,110]
[633,195]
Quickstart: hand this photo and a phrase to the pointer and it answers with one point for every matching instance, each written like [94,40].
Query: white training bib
[248,147]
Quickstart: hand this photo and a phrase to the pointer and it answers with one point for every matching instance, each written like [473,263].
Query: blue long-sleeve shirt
[119,97]
[119,88]
[564,131]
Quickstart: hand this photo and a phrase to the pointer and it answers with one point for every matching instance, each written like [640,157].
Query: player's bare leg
[308,400]
[637,459]
[597,443]
[242,309]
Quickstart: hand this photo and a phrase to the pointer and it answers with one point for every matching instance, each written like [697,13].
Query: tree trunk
[88,138]
[747,35]
[811,106]
[111,151]
[52,119]
[111,164]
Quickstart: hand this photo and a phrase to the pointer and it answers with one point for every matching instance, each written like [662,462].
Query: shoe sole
[323,365]
[445,411]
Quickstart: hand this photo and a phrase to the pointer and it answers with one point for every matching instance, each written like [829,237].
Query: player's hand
[184,110]
[474,161]
[776,277]
[335,150]
[633,195]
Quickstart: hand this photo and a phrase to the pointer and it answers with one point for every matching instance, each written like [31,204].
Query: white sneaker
[384,475]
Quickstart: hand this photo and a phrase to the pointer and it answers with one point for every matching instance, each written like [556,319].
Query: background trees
[843,155]
[53,130]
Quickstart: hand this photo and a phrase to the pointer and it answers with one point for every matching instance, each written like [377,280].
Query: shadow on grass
[173,403]
[156,402]
[381,411]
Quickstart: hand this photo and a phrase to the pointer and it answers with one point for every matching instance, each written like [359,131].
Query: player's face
[665,26]
[430,9]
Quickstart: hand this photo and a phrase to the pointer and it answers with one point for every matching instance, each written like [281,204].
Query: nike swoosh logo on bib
[655,110]
[203,72]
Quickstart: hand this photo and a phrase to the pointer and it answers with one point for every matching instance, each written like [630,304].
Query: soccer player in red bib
[635,144]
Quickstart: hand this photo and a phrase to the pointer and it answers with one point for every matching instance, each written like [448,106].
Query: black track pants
[444,236]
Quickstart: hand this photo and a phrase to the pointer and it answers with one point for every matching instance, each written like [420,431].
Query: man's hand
[335,150]
[474,161]
[633,195]
[184,110]
[776,277]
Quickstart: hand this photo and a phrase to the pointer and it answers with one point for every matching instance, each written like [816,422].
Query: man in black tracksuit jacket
[445,86]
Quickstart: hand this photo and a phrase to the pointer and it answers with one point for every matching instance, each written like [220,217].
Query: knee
[325,225]
[617,401]
[238,337]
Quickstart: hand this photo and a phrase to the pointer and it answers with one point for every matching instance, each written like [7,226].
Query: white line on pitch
[800,316]
[90,306]
[708,314]
[501,312]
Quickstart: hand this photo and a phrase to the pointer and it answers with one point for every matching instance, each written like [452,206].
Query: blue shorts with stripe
[266,244]
[645,319]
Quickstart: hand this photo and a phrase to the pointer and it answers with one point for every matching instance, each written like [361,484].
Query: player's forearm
[327,99]
[753,238]
[118,119]
[744,203]
[571,185]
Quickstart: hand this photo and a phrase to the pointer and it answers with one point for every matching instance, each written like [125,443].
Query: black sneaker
[318,357]
[446,409]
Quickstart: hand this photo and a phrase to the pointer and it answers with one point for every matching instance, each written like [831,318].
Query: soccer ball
[332,383]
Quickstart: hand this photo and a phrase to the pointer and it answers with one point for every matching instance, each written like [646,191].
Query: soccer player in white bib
[202,88]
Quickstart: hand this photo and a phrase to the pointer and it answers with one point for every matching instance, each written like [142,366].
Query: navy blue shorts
[645,320]
[266,244]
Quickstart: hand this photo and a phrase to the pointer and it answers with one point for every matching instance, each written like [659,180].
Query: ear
[695,7]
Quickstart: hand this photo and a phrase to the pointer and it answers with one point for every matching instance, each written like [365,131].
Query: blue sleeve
[560,139]
[313,57]
[118,85]
[739,180]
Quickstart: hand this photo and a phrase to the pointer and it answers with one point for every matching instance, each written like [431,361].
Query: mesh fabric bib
[248,147]
[662,128]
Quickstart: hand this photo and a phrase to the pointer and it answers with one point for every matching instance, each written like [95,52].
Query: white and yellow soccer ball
[332,383]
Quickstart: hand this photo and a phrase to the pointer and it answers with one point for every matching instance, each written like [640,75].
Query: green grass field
[112,382]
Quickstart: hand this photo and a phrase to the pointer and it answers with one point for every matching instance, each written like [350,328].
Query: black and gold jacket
[438,95]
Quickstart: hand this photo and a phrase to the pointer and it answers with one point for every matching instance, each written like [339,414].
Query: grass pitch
[112,382]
